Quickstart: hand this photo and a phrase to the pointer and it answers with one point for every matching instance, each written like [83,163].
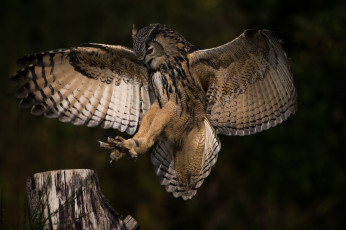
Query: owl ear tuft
[134,31]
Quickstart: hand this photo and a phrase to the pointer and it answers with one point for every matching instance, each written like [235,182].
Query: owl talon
[119,148]
[120,139]
[116,155]
[114,141]
[107,146]
[133,154]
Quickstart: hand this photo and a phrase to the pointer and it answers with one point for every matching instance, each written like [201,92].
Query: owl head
[157,46]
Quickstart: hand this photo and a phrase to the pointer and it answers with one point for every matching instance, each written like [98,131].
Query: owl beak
[143,60]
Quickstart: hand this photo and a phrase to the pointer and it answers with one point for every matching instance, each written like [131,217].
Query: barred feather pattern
[164,158]
[86,86]
[248,82]
[240,88]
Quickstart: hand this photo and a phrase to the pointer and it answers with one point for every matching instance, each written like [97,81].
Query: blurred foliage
[290,177]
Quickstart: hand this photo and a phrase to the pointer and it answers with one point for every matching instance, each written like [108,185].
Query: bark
[71,199]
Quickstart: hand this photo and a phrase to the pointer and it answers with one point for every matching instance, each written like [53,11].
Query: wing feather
[83,99]
[248,83]
[89,85]
[93,120]
[108,120]
[134,115]
[122,107]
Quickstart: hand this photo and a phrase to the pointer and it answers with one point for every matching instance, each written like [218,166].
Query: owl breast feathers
[167,93]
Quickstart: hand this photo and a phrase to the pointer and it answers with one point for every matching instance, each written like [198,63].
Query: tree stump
[71,199]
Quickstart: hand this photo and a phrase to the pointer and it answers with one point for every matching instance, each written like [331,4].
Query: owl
[172,97]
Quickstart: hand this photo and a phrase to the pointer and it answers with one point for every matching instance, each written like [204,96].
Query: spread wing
[248,82]
[91,85]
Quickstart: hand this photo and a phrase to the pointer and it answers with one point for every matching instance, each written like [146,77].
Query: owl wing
[248,82]
[92,84]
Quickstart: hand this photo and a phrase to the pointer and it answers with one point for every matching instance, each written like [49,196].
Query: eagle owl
[173,97]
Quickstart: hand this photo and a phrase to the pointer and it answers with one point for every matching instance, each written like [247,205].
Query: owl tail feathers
[165,159]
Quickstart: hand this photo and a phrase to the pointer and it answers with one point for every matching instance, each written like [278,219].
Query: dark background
[292,176]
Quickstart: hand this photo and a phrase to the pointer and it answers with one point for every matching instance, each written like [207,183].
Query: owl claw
[105,145]
[116,155]
[114,141]
[133,154]
[119,148]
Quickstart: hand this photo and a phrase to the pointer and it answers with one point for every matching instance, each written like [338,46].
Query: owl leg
[153,124]
[147,134]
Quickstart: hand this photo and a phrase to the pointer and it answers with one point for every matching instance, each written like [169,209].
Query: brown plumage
[176,97]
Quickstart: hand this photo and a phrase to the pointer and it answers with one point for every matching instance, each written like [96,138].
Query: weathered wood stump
[71,199]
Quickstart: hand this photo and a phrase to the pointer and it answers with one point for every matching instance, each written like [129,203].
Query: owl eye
[150,50]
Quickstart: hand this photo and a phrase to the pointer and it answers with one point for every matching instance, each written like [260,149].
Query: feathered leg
[153,123]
